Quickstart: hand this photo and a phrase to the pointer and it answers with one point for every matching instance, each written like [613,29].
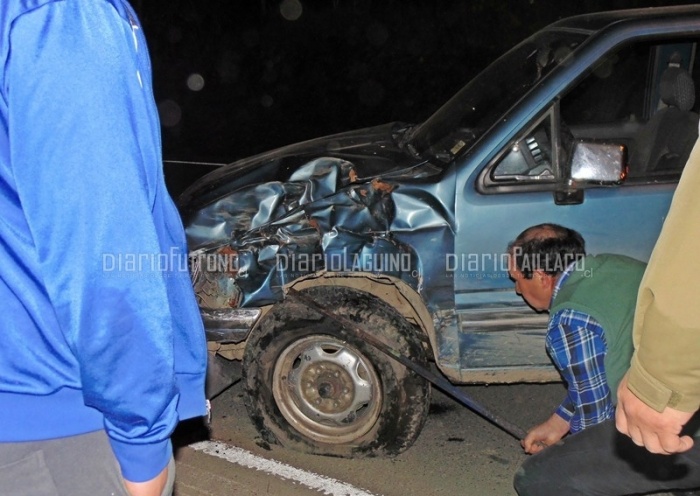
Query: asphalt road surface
[457,453]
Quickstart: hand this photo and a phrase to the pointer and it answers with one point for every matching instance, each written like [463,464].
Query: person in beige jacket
[661,391]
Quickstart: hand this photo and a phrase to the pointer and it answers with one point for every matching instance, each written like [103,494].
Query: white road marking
[245,458]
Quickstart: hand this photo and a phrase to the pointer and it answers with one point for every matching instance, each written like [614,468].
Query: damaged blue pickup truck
[402,228]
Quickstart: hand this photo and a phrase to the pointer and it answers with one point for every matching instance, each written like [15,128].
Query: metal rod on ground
[433,378]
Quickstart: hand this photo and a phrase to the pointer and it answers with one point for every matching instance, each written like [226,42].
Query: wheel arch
[392,291]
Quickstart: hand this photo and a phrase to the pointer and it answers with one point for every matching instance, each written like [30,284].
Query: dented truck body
[360,205]
[411,222]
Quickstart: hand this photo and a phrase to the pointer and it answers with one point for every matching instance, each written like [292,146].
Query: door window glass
[641,97]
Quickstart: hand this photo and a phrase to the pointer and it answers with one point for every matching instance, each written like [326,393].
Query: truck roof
[591,23]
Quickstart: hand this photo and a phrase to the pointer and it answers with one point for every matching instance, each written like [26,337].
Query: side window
[613,92]
[640,99]
[642,96]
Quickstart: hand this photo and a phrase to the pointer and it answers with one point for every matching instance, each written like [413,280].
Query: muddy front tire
[313,386]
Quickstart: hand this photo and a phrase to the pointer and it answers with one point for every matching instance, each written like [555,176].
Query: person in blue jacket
[102,349]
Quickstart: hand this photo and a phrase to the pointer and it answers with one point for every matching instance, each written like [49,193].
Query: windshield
[477,106]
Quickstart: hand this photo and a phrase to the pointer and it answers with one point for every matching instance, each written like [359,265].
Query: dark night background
[234,78]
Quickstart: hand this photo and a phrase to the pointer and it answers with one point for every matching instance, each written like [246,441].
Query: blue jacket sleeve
[87,164]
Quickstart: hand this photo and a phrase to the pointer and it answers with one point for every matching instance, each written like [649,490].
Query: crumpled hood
[371,151]
[349,202]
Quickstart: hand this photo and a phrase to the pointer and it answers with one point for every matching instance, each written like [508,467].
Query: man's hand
[153,487]
[657,432]
[545,434]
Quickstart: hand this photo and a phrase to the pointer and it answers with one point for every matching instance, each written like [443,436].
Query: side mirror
[604,164]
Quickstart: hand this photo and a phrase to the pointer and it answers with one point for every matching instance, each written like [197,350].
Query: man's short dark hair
[550,248]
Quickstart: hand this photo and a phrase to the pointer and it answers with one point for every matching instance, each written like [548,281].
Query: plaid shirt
[576,343]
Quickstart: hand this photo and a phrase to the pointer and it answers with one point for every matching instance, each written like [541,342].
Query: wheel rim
[327,390]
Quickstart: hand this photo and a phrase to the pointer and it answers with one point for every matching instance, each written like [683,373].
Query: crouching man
[591,301]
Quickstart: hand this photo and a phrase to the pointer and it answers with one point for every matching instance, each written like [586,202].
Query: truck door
[529,182]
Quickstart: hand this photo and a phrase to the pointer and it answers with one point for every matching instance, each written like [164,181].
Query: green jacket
[605,287]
